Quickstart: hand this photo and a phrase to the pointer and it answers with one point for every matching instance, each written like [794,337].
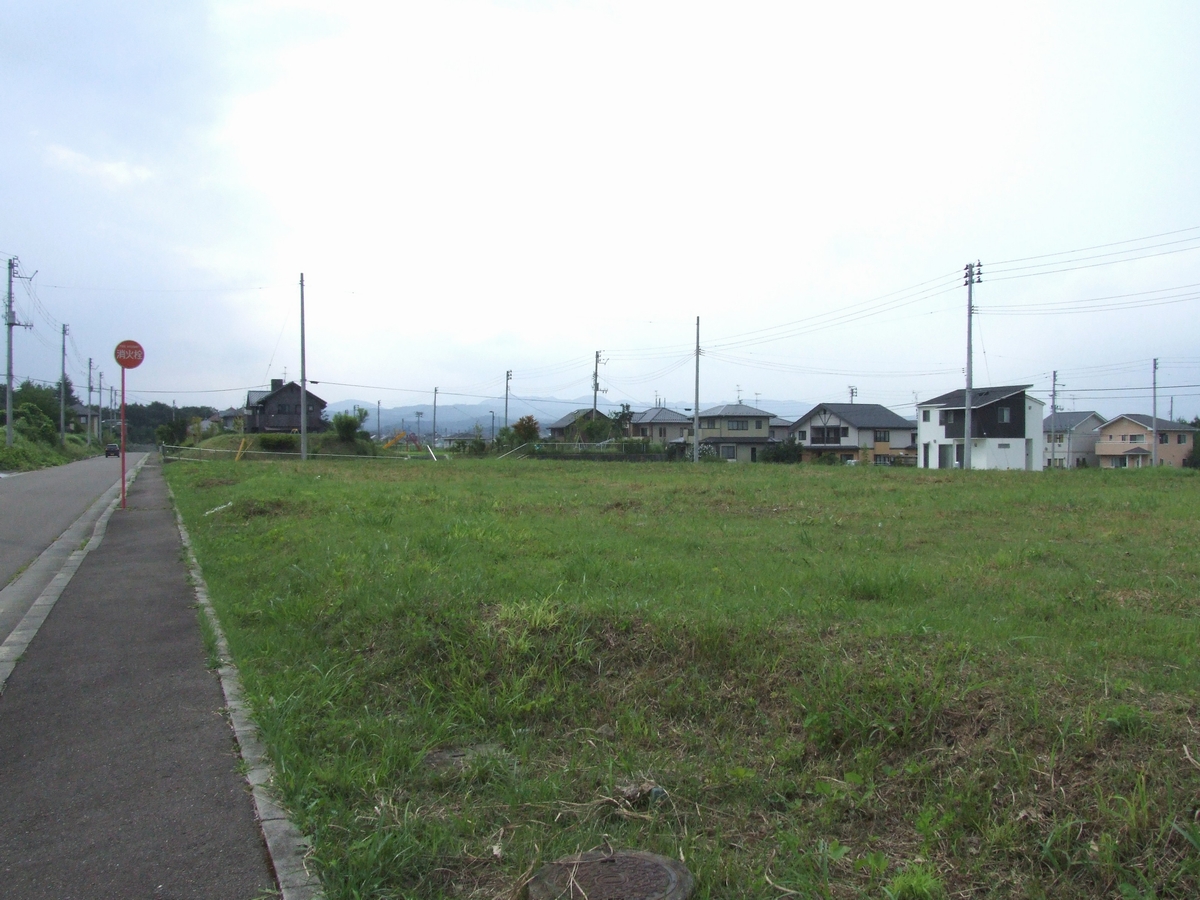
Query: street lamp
[493,412]
[419,414]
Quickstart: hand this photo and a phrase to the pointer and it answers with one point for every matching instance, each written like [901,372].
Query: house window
[845,431]
[802,435]
[707,423]
[1164,439]
[643,431]
[758,424]
[1003,446]
[1181,438]
[739,425]
[1137,439]
[282,409]
[1003,415]
[924,415]
[830,435]
[946,417]
[662,432]
[882,437]
[728,451]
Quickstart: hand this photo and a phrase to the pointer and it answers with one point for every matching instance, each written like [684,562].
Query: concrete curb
[22,636]
[286,846]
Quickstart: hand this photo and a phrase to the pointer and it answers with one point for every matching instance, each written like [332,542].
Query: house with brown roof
[856,433]
[737,432]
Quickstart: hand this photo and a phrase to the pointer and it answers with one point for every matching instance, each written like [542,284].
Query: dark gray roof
[659,414]
[734,409]
[570,418]
[777,422]
[254,398]
[860,415]
[980,396]
[1148,422]
[1068,421]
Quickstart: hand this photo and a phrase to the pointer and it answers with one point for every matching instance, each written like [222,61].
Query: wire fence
[172,453]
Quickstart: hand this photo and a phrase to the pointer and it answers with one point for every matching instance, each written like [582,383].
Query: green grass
[842,682]
[26,455]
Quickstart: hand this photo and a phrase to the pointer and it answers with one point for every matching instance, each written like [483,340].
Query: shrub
[346,424]
[279,443]
[527,429]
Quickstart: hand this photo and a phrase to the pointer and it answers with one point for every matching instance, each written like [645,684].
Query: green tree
[346,424]
[597,429]
[620,421]
[35,425]
[527,429]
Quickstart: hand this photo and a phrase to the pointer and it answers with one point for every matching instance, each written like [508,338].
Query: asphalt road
[118,773]
[36,507]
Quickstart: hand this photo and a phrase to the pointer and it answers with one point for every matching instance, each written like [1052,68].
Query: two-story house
[1127,442]
[738,433]
[856,433]
[1006,429]
[1070,439]
[660,425]
[570,427]
[779,428]
[279,409]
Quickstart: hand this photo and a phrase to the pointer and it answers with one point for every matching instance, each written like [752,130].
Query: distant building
[856,432]
[739,433]
[1070,439]
[660,425]
[1006,429]
[279,409]
[1127,442]
[568,427]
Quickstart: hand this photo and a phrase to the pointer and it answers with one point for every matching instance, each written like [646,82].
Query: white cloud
[109,174]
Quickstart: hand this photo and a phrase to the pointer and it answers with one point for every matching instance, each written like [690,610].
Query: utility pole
[973,275]
[434,438]
[100,409]
[596,385]
[378,420]
[10,321]
[696,404]
[1053,418]
[419,414]
[1154,413]
[853,393]
[89,406]
[493,412]
[62,392]
[507,379]
[303,381]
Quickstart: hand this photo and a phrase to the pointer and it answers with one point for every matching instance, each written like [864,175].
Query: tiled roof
[1148,422]
[1067,421]
[980,396]
[570,418]
[659,414]
[861,415]
[734,409]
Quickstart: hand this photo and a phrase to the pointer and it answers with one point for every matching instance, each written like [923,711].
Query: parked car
[111,450]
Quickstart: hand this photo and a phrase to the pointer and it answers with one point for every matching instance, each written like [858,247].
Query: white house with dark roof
[738,433]
[1070,439]
[1006,429]
[856,432]
[660,425]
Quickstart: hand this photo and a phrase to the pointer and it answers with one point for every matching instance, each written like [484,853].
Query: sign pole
[129,355]
[122,437]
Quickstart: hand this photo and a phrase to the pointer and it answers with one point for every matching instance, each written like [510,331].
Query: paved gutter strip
[19,638]
[287,847]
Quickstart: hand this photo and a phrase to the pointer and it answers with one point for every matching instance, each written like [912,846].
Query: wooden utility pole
[1154,413]
[62,392]
[303,381]
[696,402]
[1053,418]
[507,379]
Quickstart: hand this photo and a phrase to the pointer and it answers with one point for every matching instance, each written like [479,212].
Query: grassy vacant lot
[830,681]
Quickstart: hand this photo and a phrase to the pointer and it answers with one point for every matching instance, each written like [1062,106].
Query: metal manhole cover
[621,875]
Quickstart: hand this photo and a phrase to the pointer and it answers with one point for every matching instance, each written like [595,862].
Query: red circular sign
[129,354]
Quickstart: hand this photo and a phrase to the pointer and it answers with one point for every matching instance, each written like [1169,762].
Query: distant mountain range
[454,418]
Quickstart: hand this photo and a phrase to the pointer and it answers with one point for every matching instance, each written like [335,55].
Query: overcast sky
[471,187]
